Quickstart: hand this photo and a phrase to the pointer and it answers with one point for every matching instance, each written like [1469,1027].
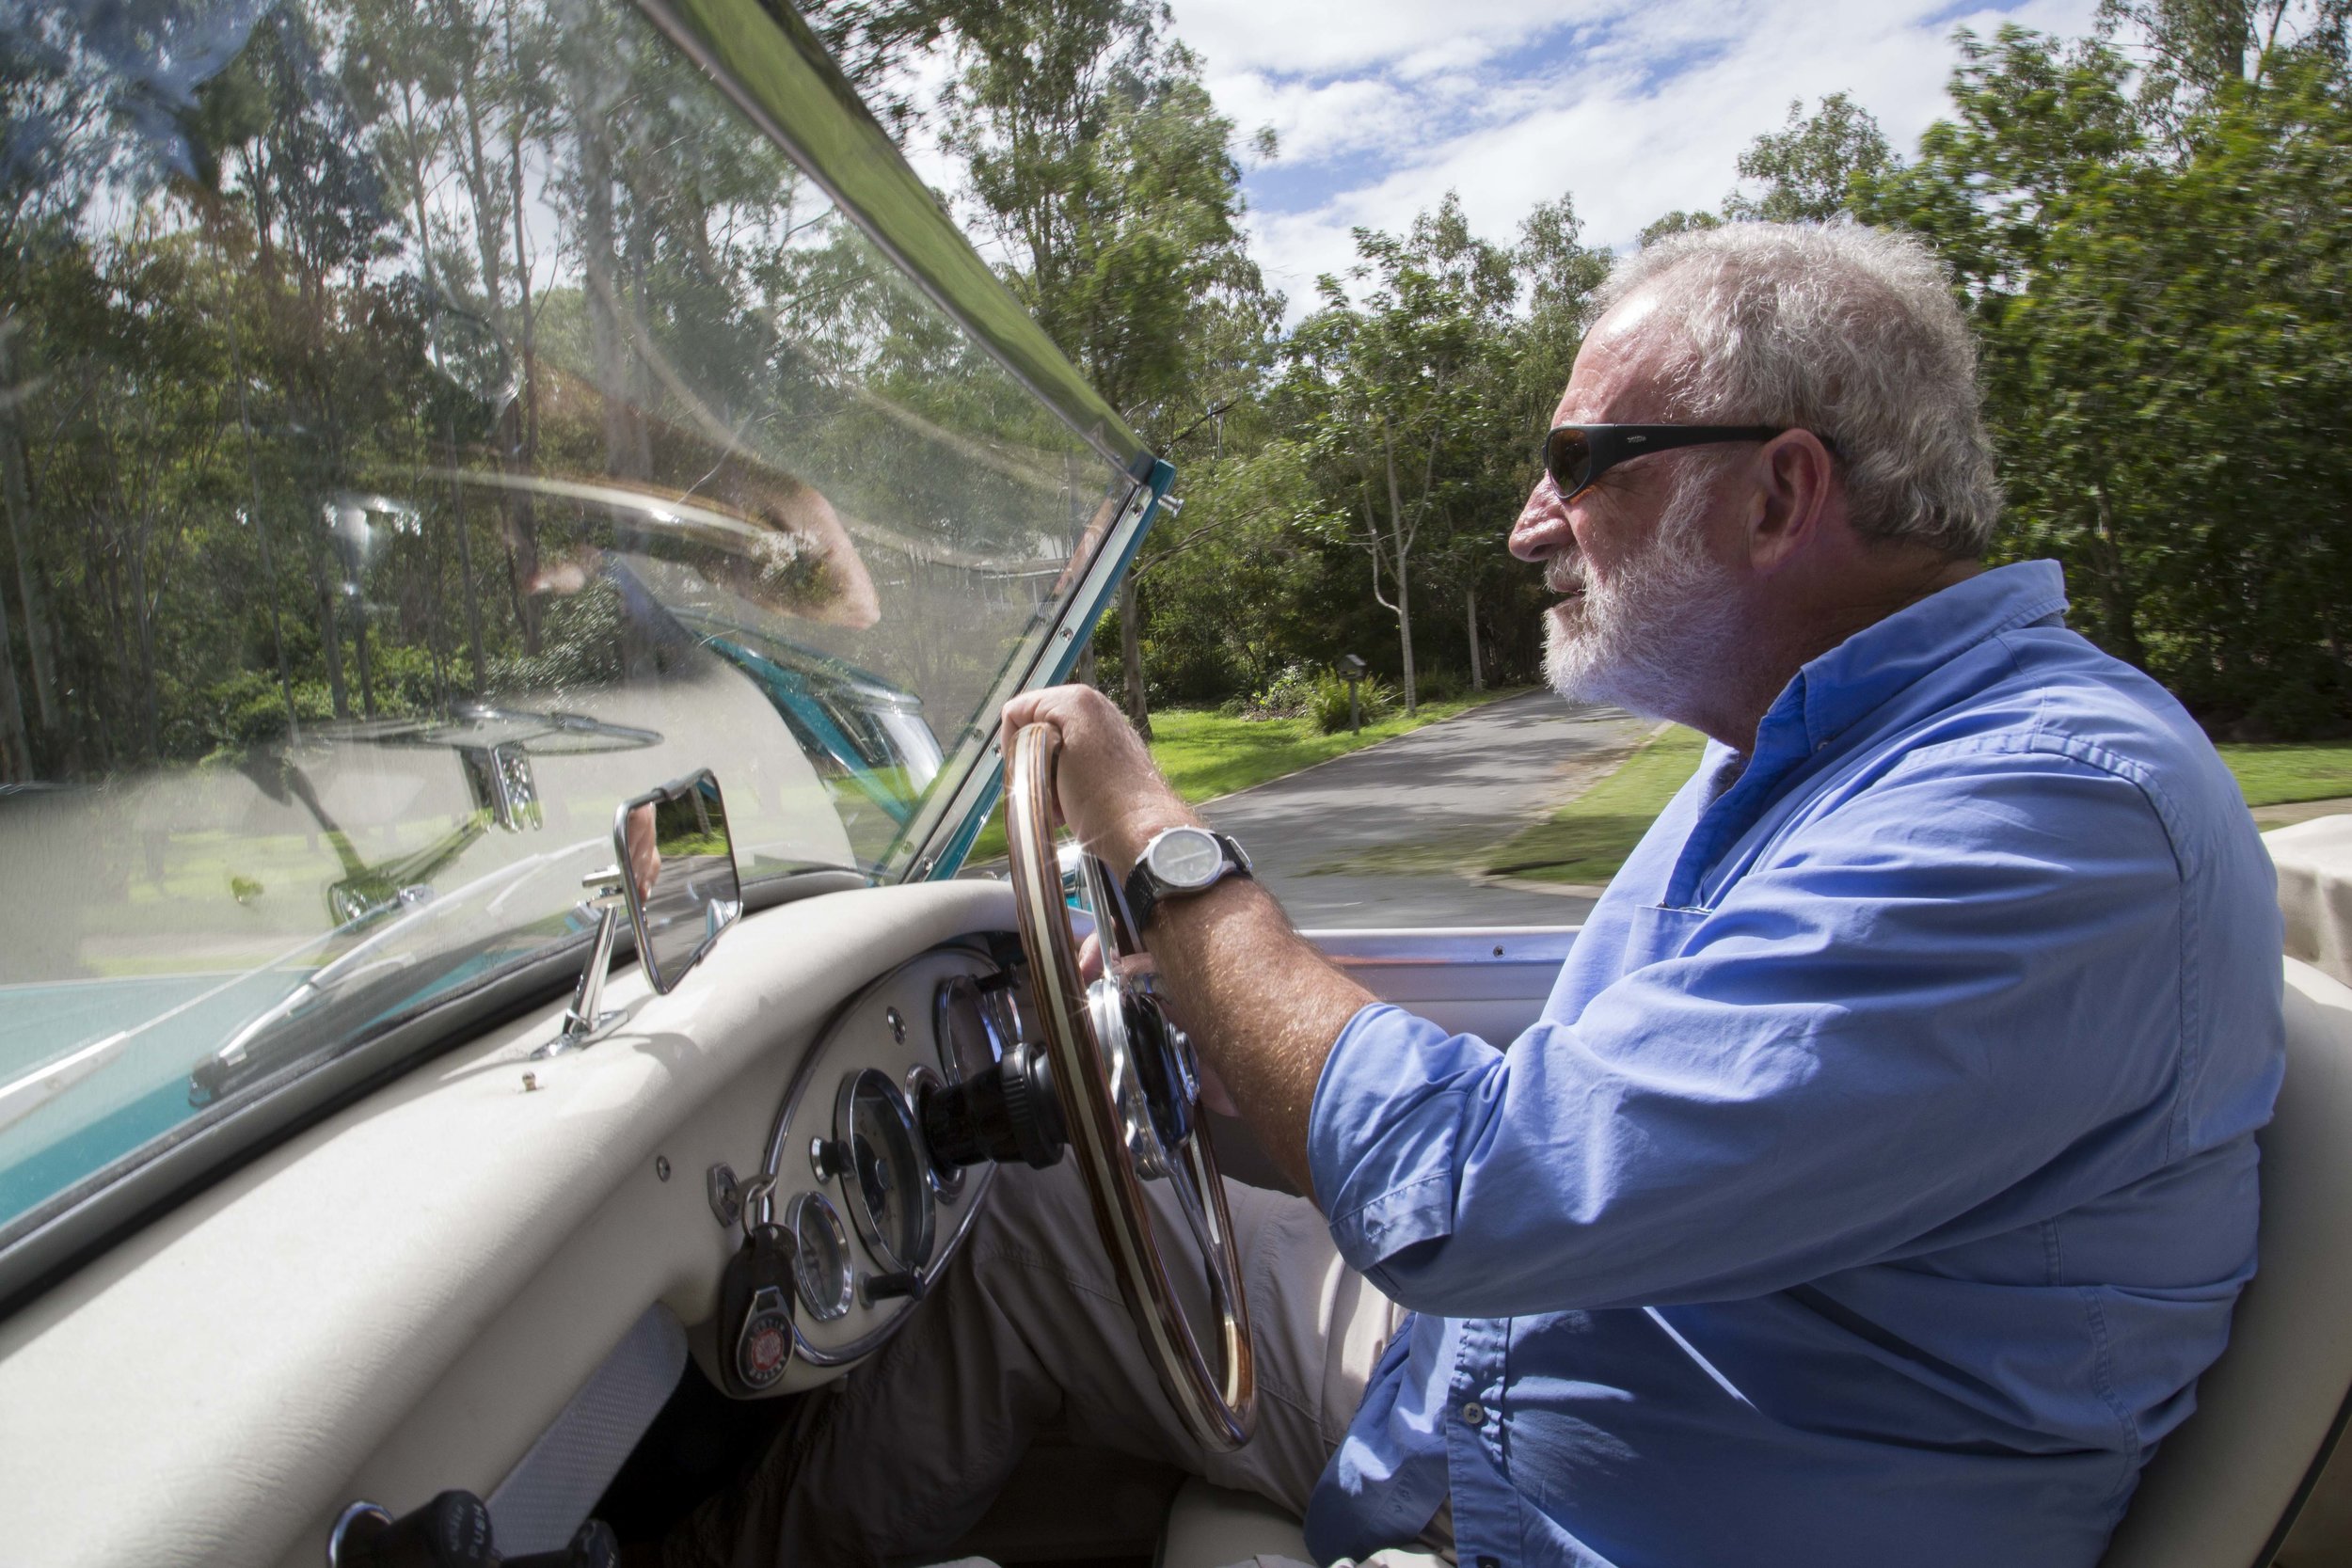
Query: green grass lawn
[1206,754]
[1588,839]
[2275,775]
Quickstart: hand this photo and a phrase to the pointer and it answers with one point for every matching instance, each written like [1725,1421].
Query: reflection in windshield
[422,428]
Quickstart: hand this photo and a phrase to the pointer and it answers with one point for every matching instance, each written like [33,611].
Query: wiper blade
[387,969]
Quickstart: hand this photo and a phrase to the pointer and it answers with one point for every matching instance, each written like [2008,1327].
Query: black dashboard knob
[889,1286]
[451,1531]
[1009,1112]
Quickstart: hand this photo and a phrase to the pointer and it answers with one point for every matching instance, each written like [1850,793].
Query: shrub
[1440,685]
[1285,696]
[1328,707]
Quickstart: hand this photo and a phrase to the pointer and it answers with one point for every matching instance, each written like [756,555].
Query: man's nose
[1541,529]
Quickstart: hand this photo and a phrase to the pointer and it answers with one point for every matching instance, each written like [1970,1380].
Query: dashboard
[488,1272]
[845,1171]
[427,1289]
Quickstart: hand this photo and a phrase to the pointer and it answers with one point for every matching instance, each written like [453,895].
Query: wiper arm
[383,970]
[392,967]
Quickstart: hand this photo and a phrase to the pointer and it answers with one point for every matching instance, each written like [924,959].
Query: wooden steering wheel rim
[1216,1407]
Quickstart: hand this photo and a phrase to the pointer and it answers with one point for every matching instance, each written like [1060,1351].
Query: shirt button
[1475,1413]
[1491,1562]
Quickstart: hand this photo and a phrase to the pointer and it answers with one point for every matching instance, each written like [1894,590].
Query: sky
[1634,108]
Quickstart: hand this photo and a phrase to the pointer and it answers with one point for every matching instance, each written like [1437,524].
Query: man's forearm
[1260,1002]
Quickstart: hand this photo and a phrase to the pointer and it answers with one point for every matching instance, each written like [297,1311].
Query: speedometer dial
[820,1260]
[882,1172]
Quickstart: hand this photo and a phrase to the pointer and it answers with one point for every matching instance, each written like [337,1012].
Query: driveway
[1393,835]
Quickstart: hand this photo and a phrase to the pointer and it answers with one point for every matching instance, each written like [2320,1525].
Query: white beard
[1657,632]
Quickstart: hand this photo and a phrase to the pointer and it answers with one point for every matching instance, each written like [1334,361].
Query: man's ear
[1796,493]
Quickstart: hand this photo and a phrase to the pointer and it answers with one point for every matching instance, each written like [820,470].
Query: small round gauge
[820,1261]
[884,1176]
[971,1039]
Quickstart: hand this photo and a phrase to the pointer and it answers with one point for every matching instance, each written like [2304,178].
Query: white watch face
[1186,857]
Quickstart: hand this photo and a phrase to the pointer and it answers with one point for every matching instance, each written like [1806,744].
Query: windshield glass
[422,428]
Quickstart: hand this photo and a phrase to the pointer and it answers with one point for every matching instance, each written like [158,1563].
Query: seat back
[2222,1490]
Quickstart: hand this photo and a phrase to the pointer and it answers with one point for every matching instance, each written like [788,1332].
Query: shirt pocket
[1657,933]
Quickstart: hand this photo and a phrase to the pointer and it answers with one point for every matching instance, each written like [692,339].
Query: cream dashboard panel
[403,1298]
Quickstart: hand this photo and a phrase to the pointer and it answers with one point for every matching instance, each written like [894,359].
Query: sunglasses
[1577,454]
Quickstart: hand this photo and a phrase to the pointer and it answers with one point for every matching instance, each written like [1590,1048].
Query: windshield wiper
[392,974]
[386,971]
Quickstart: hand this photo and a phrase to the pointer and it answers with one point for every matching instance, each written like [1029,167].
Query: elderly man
[1880,1173]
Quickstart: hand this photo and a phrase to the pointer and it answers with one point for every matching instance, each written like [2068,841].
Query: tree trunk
[1478,673]
[253,494]
[16,749]
[331,633]
[522,280]
[1131,656]
[601,294]
[150,717]
[14,467]
[522,525]
[464,565]
[360,657]
[1400,544]
[1404,634]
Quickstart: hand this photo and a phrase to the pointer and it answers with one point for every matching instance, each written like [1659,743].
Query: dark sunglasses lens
[1569,457]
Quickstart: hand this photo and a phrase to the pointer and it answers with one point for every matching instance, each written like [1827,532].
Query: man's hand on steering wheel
[1112,795]
[1114,799]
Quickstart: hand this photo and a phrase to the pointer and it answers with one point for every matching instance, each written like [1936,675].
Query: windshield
[422,428]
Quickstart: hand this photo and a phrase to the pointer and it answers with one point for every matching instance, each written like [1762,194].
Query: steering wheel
[1130,1095]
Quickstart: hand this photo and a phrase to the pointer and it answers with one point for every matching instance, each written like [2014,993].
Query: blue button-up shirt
[1880,1173]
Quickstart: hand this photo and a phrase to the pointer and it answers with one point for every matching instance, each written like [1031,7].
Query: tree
[1100,164]
[1808,167]
[2192,48]
[1676,222]
[2165,356]
[1396,382]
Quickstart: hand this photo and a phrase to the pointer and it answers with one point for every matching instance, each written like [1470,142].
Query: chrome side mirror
[678,873]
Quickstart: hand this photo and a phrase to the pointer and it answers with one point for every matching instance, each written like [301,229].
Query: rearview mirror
[678,871]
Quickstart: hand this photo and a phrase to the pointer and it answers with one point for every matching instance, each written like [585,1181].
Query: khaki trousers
[1025,1326]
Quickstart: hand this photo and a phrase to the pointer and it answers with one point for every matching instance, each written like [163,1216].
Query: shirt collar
[1859,674]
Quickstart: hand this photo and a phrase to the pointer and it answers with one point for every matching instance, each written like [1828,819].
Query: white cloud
[1635,107]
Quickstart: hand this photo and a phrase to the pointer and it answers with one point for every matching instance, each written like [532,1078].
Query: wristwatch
[1181,860]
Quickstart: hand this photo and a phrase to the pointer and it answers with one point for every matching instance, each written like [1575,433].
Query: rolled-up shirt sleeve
[1867,1042]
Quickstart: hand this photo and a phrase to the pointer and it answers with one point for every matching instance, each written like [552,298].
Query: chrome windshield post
[582,1022]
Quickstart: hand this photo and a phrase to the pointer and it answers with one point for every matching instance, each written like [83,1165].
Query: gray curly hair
[1848,331]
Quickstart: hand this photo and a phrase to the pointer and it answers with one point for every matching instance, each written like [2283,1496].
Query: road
[1392,835]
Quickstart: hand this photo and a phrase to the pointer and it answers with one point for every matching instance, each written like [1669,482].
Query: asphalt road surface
[1393,835]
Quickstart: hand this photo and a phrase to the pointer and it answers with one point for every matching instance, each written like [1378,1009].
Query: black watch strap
[1143,889]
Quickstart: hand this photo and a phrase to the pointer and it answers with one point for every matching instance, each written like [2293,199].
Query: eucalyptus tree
[1398,384]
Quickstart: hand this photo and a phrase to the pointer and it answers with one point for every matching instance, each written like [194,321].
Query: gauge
[820,1260]
[883,1174]
[970,1037]
[946,1179]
